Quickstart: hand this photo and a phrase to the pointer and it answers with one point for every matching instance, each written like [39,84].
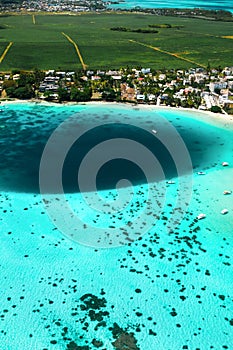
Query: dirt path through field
[76,49]
[6,51]
[168,53]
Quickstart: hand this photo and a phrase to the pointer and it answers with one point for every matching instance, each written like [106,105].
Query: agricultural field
[52,41]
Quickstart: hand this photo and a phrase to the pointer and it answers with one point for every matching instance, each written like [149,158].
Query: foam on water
[171,290]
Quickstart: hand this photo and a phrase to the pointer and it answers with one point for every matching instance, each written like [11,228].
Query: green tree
[24,92]
[109,95]
[80,95]
[216,109]
[38,76]
[26,78]
[11,91]
[63,94]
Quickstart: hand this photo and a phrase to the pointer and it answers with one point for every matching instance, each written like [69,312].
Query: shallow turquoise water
[209,5]
[172,290]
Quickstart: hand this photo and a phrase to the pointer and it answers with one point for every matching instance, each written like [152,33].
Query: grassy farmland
[39,43]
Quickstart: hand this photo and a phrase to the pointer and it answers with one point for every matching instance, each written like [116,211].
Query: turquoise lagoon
[208,5]
[168,290]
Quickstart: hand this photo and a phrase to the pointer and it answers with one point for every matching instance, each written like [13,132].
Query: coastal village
[198,88]
[54,6]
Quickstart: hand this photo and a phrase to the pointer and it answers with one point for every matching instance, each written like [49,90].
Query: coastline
[218,119]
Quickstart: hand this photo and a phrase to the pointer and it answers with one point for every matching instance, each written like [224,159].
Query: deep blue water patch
[114,170]
[25,131]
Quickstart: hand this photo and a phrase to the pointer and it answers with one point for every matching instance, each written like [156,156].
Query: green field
[42,45]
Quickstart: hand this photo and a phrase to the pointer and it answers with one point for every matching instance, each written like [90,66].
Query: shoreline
[218,119]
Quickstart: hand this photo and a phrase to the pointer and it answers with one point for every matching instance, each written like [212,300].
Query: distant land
[83,5]
[226,5]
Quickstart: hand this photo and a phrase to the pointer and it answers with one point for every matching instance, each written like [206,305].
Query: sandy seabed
[218,119]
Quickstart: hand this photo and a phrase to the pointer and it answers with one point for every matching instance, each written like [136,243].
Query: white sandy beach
[218,119]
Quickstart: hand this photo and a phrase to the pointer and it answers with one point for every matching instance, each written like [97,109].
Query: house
[162,77]
[127,93]
[151,97]
[84,78]
[61,74]
[95,78]
[140,97]
[112,72]
[116,77]
[16,77]
[90,72]
[50,72]
[217,85]
[228,104]
[145,70]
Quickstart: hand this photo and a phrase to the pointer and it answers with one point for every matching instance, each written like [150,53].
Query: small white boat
[225,164]
[227,192]
[201,173]
[170,182]
[154,131]
[201,216]
[224,211]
